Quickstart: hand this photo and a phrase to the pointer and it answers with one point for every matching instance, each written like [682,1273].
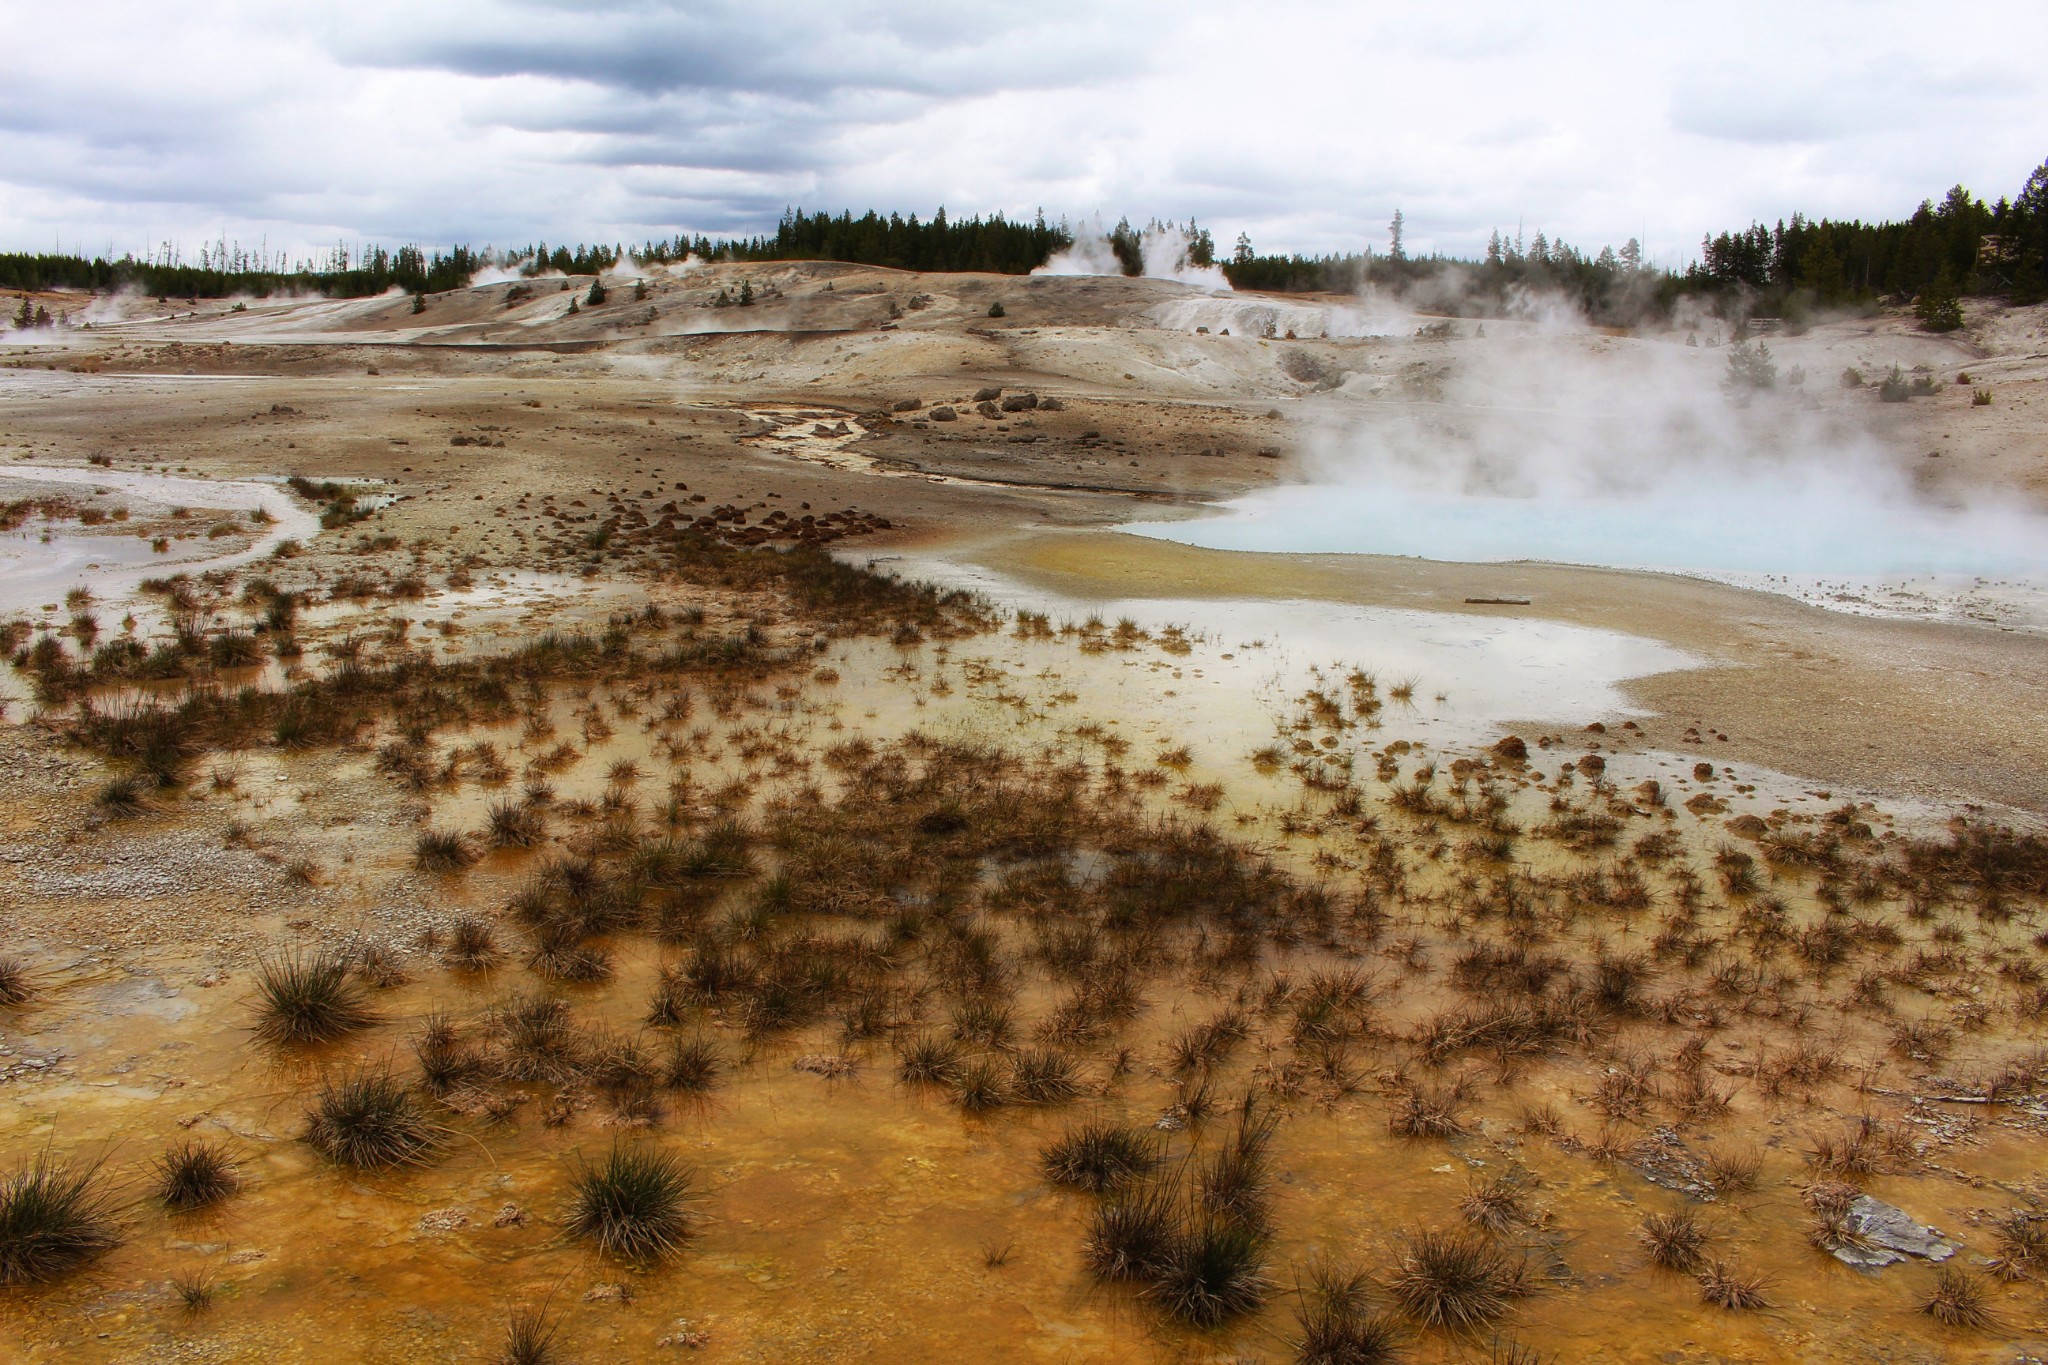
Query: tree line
[1960,246]
[338,275]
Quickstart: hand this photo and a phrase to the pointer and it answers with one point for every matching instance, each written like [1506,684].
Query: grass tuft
[1958,1300]
[693,1066]
[1211,1272]
[1334,1326]
[54,1218]
[529,1337]
[633,1204]
[1726,1287]
[1452,1280]
[472,944]
[437,850]
[1101,1157]
[1675,1241]
[15,986]
[1129,1234]
[194,1175]
[308,998]
[370,1120]
[928,1060]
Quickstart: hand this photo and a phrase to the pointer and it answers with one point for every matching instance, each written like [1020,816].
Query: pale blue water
[1771,529]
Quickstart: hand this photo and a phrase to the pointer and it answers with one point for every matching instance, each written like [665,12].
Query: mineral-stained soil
[571,752]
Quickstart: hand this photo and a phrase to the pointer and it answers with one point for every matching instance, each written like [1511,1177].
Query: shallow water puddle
[38,567]
[1469,675]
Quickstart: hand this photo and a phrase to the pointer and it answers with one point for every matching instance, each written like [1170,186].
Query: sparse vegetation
[308,997]
[634,1203]
[369,1119]
[195,1175]
[55,1216]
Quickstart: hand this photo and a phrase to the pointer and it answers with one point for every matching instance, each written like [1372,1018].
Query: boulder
[1020,402]
[988,394]
[987,409]
[906,405]
[1051,405]
[942,413]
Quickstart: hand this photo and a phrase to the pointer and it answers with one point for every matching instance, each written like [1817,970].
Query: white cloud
[1302,122]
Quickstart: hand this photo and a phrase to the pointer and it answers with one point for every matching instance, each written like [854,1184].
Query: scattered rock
[608,1293]
[987,409]
[985,395]
[827,1064]
[1513,748]
[1664,1160]
[1051,405]
[1020,402]
[906,405]
[511,1216]
[443,1220]
[942,413]
[1874,1234]
[686,1337]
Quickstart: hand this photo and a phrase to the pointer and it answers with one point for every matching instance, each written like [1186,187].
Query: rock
[942,413]
[826,1064]
[1051,405]
[1513,748]
[1663,1159]
[987,394]
[987,409]
[1703,772]
[1592,765]
[1748,827]
[1879,1234]
[906,405]
[1020,402]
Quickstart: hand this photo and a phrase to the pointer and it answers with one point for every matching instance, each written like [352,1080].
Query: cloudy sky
[1303,123]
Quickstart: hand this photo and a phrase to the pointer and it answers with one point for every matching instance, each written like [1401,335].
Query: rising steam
[1547,442]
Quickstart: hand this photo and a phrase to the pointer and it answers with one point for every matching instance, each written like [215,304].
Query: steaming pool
[1872,558]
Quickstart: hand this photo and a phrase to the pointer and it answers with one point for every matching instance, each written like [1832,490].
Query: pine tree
[1396,252]
[1243,254]
[746,292]
[1820,269]
[597,294]
[26,318]
[1938,308]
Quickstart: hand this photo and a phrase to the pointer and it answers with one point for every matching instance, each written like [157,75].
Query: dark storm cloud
[803,52]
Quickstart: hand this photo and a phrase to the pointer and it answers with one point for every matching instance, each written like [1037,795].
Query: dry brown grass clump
[1959,1300]
[1453,1280]
[304,998]
[1675,1240]
[1724,1286]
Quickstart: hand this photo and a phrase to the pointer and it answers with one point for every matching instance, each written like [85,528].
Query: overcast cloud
[1306,124]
